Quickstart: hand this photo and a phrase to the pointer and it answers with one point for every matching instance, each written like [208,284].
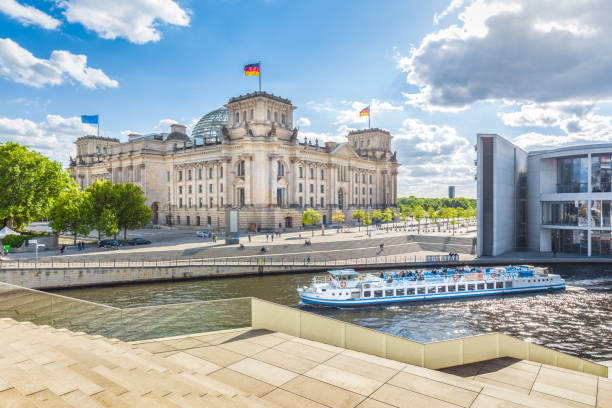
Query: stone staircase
[44,366]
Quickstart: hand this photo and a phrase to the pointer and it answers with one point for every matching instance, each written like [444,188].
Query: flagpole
[369,116]
[259,62]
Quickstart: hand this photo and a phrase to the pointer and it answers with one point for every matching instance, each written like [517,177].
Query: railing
[138,323]
[263,260]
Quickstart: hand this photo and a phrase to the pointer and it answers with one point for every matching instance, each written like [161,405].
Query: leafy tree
[29,183]
[12,240]
[129,207]
[338,218]
[432,214]
[311,217]
[367,221]
[377,216]
[448,213]
[102,203]
[70,213]
[405,216]
[418,214]
[358,216]
[387,215]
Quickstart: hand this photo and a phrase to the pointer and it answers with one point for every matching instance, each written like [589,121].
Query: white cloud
[19,65]
[54,137]
[453,6]
[348,111]
[136,20]
[28,15]
[432,158]
[517,50]
[164,125]
[303,122]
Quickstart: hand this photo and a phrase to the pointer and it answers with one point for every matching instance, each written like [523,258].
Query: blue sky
[436,73]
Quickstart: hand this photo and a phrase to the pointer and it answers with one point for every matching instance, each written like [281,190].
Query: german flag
[365,112]
[251,69]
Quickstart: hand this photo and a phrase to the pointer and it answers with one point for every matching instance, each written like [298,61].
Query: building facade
[451,191]
[247,156]
[557,200]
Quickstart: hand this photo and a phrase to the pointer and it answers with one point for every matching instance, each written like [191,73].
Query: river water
[577,321]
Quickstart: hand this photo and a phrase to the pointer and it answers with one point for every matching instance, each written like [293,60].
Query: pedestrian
[62,249]
[308,259]
[266,237]
[272,236]
[249,237]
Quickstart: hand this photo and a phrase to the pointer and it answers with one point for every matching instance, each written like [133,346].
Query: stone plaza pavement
[43,366]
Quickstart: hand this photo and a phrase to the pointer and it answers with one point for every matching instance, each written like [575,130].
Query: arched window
[244,116]
[280,169]
[104,150]
[97,149]
[237,116]
[240,169]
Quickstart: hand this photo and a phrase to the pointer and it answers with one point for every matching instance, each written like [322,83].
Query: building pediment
[345,150]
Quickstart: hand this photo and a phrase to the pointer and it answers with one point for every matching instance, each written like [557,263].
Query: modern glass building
[557,200]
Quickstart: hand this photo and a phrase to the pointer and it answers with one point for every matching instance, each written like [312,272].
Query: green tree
[367,221]
[358,216]
[102,204]
[311,217]
[377,216]
[405,215]
[338,218]
[387,215]
[70,213]
[448,213]
[418,214]
[29,183]
[130,208]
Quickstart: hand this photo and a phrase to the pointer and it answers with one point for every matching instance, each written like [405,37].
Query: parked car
[109,243]
[138,241]
[203,233]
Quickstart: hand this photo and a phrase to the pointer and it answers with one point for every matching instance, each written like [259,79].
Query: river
[577,321]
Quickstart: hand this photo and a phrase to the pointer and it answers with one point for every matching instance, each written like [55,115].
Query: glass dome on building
[209,126]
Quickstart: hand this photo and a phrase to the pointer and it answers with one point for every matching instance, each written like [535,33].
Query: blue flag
[91,119]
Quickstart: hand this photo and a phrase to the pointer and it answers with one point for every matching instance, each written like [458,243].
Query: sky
[435,73]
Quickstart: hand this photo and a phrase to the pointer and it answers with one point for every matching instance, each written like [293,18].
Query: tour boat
[346,287]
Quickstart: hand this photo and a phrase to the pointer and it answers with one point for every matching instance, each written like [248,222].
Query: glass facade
[600,213]
[572,175]
[601,171]
[570,241]
[565,213]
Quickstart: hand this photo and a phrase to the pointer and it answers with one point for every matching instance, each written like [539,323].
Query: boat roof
[343,272]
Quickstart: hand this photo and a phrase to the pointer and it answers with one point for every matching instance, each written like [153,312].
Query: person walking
[249,237]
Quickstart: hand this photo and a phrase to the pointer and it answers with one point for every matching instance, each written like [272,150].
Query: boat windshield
[345,274]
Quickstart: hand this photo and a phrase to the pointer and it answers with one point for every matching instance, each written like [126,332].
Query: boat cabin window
[499,285]
[399,292]
[367,286]
[431,289]
[389,292]
[508,284]
[378,293]
[471,286]
[410,291]
[421,290]
[323,290]
[441,289]
[451,288]
[367,293]
[460,288]
[490,285]
[480,286]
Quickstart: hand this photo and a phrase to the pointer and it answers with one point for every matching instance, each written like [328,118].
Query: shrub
[15,241]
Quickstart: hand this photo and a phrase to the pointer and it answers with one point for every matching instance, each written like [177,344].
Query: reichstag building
[246,155]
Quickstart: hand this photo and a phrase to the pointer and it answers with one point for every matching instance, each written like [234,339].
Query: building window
[572,213]
[221,201]
[200,204]
[300,187]
[572,175]
[370,179]
[178,220]
[190,191]
[322,188]
[356,190]
[237,116]
[280,169]
[363,190]
[312,202]
[312,188]
[275,116]
[180,202]
[370,202]
[180,189]
[200,188]
[180,175]
[221,172]
[251,114]
[189,202]
[322,174]
[97,149]
[210,188]
[241,197]
[370,190]
[211,172]
[104,150]
[200,174]
[221,187]
[210,202]
[322,202]
[240,170]
[301,202]
[189,174]
[311,173]
[300,172]
[356,178]
[363,178]
[601,174]
[168,175]
[283,118]
[244,117]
